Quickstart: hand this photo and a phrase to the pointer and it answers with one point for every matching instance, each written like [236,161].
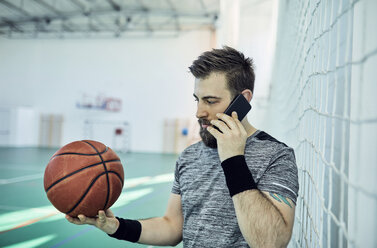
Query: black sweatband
[237,175]
[128,230]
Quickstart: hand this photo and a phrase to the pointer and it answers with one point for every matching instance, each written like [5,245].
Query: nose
[201,111]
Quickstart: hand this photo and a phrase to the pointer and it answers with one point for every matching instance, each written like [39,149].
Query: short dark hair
[238,70]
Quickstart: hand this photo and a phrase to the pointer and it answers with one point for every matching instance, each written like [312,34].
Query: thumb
[101,217]
[109,213]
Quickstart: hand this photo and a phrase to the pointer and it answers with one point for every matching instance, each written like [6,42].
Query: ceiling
[36,19]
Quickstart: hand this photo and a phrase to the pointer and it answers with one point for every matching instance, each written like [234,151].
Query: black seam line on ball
[87,190]
[77,171]
[76,153]
[107,176]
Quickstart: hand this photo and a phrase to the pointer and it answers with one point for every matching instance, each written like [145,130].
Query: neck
[248,127]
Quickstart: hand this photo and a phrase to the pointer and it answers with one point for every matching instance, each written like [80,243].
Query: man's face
[213,97]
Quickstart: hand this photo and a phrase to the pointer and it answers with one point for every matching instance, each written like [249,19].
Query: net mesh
[321,104]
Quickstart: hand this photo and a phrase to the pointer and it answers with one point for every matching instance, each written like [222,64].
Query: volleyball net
[323,104]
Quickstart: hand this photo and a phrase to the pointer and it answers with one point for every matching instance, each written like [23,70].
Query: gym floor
[27,218]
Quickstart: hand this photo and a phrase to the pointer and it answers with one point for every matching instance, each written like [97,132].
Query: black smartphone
[240,105]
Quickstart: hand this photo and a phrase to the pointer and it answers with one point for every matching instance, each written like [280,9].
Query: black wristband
[128,230]
[237,175]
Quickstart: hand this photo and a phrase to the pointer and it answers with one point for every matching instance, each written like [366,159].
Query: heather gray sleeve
[176,188]
[280,176]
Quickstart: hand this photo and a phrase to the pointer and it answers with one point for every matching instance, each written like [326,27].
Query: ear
[247,94]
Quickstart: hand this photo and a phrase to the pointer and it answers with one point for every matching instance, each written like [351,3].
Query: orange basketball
[83,177]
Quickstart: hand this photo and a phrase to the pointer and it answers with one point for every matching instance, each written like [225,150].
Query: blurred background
[116,71]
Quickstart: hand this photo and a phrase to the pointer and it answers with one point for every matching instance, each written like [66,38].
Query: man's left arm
[265,219]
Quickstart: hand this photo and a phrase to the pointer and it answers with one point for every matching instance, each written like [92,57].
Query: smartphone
[240,105]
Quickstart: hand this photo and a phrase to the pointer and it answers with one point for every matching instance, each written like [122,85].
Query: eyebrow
[207,97]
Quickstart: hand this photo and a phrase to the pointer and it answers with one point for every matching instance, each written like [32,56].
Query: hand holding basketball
[105,221]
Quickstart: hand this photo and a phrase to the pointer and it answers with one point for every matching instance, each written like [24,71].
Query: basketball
[83,177]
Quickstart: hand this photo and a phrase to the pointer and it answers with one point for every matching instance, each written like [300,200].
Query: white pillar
[228,24]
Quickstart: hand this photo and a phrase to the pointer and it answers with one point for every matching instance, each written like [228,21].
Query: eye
[211,102]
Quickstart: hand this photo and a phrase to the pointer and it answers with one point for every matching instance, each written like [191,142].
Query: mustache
[204,122]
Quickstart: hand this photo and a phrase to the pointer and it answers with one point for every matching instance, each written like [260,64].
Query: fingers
[75,221]
[238,123]
[69,218]
[213,131]
[109,213]
[220,125]
[82,219]
[226,122]
[86,220]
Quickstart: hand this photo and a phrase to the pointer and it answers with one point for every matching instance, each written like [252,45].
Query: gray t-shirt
[208,211]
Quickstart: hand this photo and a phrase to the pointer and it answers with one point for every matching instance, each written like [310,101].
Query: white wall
[149,75]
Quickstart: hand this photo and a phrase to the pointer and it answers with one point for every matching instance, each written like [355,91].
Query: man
[236,188]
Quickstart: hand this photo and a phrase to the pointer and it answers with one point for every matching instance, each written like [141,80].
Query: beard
[207,138]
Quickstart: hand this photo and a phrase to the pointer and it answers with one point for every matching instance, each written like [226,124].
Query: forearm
[154,231]
[260,221]
[160,231]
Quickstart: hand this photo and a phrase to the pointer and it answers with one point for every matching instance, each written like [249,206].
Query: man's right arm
[166,230]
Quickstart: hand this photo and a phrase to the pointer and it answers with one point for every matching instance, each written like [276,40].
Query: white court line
[12,208]
[142,180]
[21,168]
[21,179]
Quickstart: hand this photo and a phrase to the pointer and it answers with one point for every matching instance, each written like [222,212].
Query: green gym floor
[27,218]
